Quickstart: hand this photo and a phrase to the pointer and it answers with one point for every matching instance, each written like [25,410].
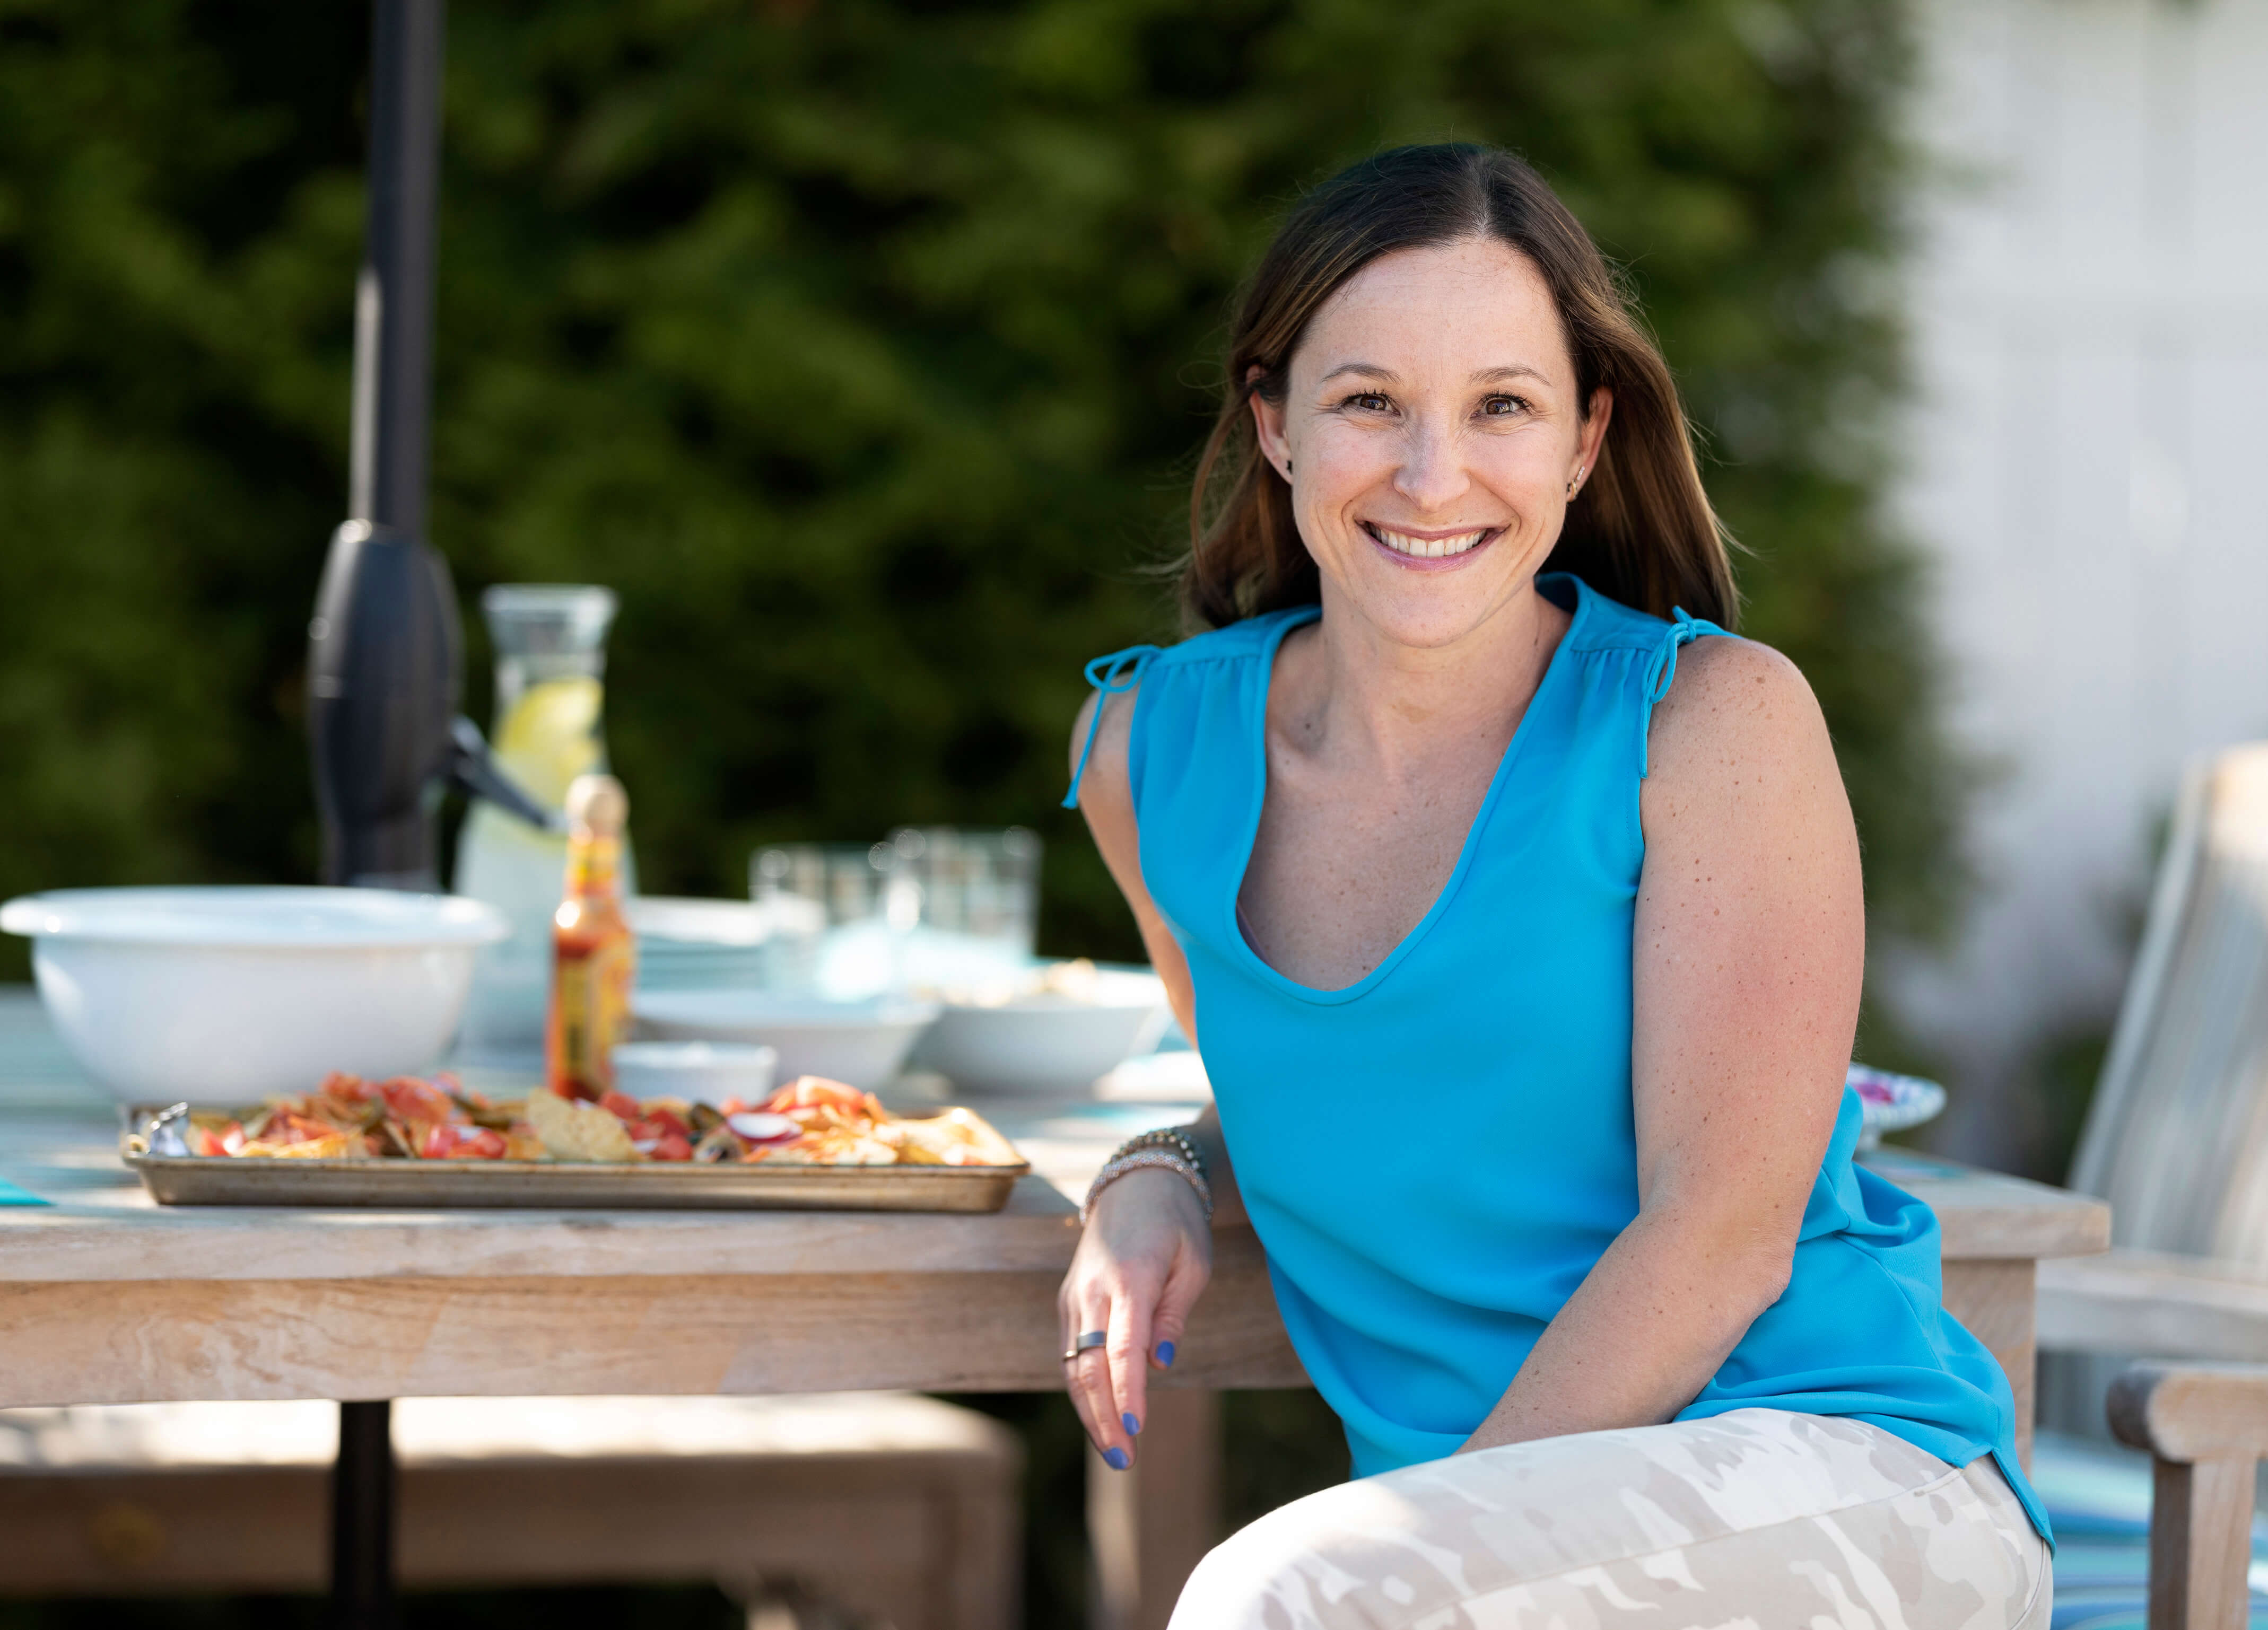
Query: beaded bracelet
[1172,1138]
[1163,1160]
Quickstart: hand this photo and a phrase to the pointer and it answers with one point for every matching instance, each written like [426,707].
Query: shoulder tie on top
[1684,628]
[1113,675]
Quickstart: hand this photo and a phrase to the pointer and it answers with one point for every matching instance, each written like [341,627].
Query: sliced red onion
[758,1126]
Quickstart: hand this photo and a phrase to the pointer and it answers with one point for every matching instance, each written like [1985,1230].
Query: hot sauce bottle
[594,956]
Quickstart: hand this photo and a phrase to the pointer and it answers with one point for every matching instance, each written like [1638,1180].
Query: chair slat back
[2177,1137]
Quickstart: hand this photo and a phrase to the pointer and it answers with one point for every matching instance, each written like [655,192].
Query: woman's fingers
[1076,1386]
[1185,1282]
[1072,1305]
[1129,1349]
[1091,1388]
[1101,1413]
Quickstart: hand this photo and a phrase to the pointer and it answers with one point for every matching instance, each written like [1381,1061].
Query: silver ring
[1086,1343]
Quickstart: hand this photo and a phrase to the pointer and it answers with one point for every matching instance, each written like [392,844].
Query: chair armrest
[2189,1412]
[2206,1427]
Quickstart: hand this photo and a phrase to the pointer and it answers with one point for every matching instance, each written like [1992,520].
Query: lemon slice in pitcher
[552,735]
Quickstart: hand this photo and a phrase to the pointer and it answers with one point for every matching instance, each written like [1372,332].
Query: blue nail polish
[1166,1354]
[1133,1427]
[1115,1457]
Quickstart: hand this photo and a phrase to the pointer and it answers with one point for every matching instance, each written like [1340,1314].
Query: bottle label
[594,867]
[591,998]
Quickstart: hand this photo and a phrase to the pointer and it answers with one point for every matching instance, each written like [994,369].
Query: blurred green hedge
[861,345]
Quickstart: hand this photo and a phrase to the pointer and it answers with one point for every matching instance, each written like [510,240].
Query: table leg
[1149,1526]
[362,1521]
[1995,1299]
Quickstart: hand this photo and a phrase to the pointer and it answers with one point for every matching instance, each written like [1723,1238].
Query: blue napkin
[11,1195]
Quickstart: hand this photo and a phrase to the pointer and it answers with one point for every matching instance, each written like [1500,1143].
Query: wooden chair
[881,1508]
[2176,1139]
[2206,1429]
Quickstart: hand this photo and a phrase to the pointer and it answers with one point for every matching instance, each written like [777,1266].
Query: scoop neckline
[1408,942]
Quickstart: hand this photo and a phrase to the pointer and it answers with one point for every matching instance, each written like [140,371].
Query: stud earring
[1287,469]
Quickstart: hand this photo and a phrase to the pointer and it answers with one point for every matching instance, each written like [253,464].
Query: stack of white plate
[861,1043]
[699,944]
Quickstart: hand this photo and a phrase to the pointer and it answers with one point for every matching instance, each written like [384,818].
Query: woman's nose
[1433,473]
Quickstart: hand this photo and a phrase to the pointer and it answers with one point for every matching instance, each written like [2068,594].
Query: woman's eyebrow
[1480,375]
[1368,370]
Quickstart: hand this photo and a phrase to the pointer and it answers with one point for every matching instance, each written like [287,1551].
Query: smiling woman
[1437,811]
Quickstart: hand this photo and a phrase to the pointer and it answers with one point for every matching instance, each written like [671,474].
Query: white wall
[2089,468]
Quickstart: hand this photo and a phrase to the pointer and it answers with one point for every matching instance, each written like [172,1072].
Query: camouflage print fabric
[1762,1519]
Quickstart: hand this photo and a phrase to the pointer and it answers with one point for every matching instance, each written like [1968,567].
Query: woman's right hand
[1144,1256]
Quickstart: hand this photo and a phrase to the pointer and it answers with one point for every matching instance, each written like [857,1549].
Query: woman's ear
[1268,426]
[1593,435]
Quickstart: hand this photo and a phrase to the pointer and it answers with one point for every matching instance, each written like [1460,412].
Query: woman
[1515,908]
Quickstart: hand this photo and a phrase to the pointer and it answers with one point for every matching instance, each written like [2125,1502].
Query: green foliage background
[861,345]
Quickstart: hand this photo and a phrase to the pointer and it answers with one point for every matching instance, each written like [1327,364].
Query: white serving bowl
[1047,1043]
[862,1044]
[707,1072]
[226,996]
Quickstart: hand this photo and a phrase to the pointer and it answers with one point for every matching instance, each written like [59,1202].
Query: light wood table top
[1988,1215]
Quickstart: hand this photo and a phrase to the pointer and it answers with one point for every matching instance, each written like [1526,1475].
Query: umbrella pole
[393,292]
[386,466]
[362,1520]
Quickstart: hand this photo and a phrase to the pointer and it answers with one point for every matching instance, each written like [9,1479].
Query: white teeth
[1428,548]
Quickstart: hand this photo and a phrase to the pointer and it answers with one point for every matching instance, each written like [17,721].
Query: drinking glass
[980,886]
[838,915]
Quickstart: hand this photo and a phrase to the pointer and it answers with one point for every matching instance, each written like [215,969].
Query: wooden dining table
[107,1297]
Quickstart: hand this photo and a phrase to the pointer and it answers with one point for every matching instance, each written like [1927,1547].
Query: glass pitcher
[550,643]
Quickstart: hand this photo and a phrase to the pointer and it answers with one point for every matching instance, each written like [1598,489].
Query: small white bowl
[707,1072]
[1049,1043]
[861,1044]
[229,994]
[1891,1103]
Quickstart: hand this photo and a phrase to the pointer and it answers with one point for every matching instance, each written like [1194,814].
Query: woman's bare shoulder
[1728,687]
[1104,788]
[1738,716]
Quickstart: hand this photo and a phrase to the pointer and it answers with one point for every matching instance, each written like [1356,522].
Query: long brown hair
[1641,531]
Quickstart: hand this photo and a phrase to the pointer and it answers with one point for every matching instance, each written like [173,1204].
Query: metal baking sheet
[430,1184]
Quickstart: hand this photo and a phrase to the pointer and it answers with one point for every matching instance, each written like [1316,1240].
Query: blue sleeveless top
[1435,1156]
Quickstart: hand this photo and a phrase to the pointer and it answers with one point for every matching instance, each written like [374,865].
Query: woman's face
[1430,430]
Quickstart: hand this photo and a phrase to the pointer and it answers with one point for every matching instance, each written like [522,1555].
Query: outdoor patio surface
[2097,1495]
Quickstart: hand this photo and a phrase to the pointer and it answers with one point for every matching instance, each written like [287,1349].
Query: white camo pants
[1759,1520]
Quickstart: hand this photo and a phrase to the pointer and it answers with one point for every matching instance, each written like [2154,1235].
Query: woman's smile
[1429,551]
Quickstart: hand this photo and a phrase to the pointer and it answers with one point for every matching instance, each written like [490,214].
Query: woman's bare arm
[1106,797]
[1748,956]
[1145,1254]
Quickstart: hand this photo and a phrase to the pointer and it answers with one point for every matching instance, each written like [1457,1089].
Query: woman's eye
[1502,404]
[1369,401]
